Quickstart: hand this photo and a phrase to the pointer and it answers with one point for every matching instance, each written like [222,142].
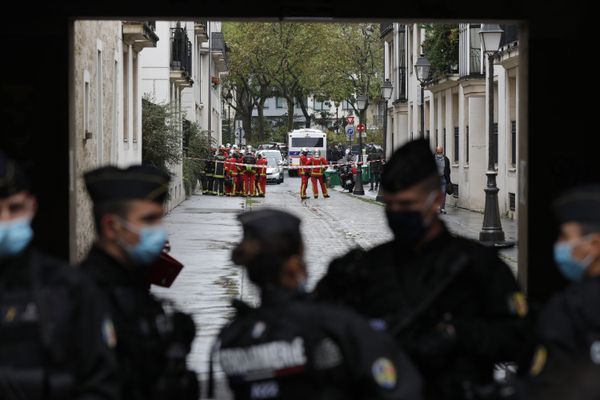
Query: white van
[312,139]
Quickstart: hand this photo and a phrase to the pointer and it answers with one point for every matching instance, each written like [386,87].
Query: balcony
[201,31]
[385,29]
[219,51]
[139,34]
[181,58]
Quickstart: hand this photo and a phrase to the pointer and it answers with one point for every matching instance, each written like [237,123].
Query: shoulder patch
[595,352]
[518,304]
[539,361]
[384,373]
[108,333]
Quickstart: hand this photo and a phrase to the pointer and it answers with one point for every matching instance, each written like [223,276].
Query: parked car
[275,165]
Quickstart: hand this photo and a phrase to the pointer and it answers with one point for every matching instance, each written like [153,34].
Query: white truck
[312,139]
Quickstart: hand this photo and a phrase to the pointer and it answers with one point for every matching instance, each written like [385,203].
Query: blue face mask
[15,236]
[152,241]
[572,269]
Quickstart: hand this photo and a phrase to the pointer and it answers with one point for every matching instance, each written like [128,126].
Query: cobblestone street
[204,229]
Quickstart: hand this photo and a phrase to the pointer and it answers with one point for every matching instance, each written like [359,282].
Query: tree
[441,48]
[161,138]
[197,145]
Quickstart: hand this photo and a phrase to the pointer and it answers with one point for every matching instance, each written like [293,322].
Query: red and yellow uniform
[231,172]
[261,185]
[317,175]
[249,174]
[240,176]
[304,174]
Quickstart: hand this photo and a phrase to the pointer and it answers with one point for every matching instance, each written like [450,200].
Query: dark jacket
[54,334]
[568,341]
[420,296]
[146,334]
[292,348]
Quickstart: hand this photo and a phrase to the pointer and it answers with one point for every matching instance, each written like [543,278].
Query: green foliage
[441,48]
[161,140]
[196,148]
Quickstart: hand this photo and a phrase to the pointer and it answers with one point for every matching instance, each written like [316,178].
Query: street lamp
[361,103]
[491,232]
[228,98]
[386,94]
[422,67]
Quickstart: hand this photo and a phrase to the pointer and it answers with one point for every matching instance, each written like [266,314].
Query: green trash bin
[332,178]
[366,174]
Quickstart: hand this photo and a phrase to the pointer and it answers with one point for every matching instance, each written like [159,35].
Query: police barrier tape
[354,163]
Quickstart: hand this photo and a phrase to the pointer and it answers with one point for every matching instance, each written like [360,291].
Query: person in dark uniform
[219,172]
[152,344]
[292,348]
[451,302]
[55,337]
[375,160]
[568,331]
[209,173]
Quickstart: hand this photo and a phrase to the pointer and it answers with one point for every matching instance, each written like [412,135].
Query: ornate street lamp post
[386,93]
[491,232]
[361,102]
[422,67]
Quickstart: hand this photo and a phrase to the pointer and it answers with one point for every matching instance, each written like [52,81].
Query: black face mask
[408,226]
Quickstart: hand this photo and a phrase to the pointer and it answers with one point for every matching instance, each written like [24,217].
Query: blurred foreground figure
[451,303]
[567,359]
[152,341]
[54,338]
[292,348]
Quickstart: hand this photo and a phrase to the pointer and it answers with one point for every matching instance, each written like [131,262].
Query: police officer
[451,302]
[292,348]
[152,343]
[569,325]
[55,337]
[375,160]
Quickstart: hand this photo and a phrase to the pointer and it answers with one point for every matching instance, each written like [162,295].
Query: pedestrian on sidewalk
[568,340]
[152,341]
[290,347]
[450,301]
[316,174]
[443,165]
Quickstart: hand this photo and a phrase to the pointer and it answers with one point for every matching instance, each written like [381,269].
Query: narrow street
[204,229]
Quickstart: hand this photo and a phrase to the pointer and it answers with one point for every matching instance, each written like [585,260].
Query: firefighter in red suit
[304,173]
[240,173]
[232,174]
[261,175]
[249,172]
[317,174]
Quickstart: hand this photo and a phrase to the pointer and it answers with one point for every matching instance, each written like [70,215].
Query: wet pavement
[203,230]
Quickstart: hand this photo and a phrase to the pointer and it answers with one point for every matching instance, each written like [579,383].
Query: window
[444,140]
[280,102]
[134,97]
[115,112]
[126,96]
[513,141]
[346,105]
[455,186]
[86,105]
[318,105]
[437,139]
[456,144]
[99,108]
[511,201]
[467,145]
[307,142]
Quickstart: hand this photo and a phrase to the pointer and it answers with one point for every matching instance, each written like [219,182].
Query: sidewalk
[466,223]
